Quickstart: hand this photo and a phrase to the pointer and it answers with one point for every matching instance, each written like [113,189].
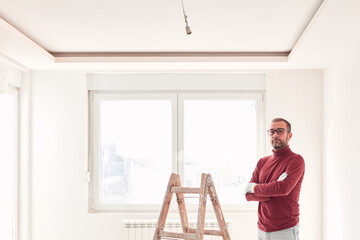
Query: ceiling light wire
[187,28]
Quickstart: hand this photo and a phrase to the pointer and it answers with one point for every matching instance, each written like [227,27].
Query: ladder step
[178,235]
[185,190]
[207,232]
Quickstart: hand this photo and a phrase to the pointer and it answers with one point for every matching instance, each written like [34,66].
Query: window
[219,136]
[138,139]
[8,160]
[133,148]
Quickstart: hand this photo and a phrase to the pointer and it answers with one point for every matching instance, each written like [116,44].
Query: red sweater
[278,200]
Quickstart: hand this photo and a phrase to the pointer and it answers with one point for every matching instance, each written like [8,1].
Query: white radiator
[143,229]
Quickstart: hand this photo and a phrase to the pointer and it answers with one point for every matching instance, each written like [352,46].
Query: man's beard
[277,144]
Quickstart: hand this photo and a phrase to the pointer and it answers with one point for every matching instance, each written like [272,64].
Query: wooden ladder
[206,187]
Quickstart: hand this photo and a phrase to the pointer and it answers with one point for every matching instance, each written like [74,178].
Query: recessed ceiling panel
[111,26]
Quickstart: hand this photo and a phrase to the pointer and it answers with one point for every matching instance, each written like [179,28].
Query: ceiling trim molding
[12,32]
[308,27]
[21,49]
[171,57]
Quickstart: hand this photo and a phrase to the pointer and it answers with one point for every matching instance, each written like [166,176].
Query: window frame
[11,90]
[177,98]
[95,108]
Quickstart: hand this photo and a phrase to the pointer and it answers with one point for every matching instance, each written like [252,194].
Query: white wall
[59,150]
[341,144]
[297,96]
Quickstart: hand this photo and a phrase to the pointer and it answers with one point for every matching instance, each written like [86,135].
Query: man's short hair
[282,120]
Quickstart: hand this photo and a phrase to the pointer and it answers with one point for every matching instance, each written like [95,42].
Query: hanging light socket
[188,30]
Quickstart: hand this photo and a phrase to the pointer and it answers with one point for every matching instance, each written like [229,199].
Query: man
[276,184]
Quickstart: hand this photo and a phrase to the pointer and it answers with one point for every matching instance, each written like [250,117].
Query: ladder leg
[202,208]
[206,187]
[217,209]
[181,206]
[165,207]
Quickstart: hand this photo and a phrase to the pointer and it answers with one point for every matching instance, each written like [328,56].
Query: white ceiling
[110,26]
[139,35]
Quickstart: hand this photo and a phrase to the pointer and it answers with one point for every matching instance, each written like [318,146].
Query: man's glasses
[279,131]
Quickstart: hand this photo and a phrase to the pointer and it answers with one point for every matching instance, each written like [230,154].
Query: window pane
[136,150]
[7,161]
[220,139]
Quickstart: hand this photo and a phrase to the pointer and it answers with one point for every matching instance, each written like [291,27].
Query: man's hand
[249,188]
[283,176]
